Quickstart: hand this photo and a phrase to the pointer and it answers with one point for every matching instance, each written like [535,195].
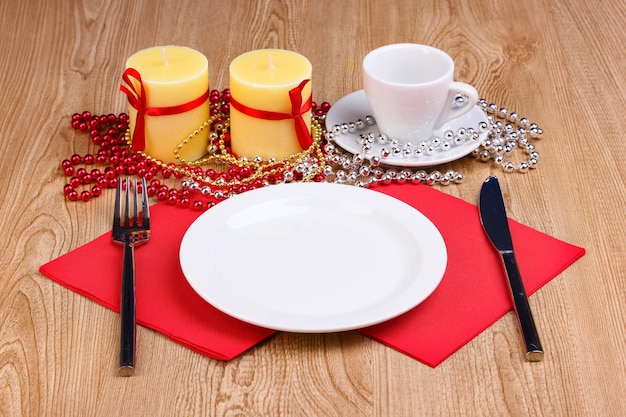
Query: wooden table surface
[560,63]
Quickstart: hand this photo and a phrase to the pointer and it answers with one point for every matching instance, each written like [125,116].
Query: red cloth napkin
[472,295]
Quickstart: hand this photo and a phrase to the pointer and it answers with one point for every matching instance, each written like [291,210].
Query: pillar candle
[270,112]
[168,86]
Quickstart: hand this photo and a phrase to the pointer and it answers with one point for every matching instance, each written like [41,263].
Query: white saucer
[355,106]
[313,257]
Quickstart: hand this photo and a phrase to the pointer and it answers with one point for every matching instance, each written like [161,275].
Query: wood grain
[559,63]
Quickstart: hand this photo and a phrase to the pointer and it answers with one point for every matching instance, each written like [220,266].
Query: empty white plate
[313,257]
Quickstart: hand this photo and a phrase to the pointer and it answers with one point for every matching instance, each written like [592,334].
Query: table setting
[177,311]
[395,258]
[382,223]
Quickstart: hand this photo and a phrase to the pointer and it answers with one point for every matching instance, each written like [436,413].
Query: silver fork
[129,231]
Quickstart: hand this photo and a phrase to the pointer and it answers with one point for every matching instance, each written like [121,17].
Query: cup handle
[454,110]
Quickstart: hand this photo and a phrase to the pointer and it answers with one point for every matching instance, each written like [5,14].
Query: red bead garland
[116,159]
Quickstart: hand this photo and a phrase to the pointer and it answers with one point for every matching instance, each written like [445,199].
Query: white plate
[313,257]
[355,106]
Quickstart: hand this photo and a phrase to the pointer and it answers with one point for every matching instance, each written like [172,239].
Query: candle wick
[271,62]
[163,56]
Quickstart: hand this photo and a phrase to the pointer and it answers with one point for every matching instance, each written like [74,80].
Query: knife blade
[495,223]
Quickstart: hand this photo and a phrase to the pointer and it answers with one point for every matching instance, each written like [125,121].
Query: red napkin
[474,292]
[165,301]
[472,295]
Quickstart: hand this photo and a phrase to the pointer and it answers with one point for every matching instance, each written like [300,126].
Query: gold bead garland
[259,169]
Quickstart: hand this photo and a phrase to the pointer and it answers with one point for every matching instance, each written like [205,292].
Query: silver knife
[494,220]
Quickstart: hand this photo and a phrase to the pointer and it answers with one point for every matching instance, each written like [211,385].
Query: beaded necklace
[201,188]
[506,133]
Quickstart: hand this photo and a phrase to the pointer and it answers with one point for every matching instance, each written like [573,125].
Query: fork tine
[135,204]
[145,222]
[117,211]
[127,204]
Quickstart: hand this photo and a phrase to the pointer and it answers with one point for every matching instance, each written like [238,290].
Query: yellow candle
[261,81]
[175,101]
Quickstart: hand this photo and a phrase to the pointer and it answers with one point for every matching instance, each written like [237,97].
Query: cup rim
[432,49]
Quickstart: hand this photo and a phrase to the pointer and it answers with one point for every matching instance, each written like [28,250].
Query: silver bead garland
[506,132]
[394,149]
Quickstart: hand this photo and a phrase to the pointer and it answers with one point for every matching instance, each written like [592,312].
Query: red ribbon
[297,110]
[138,100]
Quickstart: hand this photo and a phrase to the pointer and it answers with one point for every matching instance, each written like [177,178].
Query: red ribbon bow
[138,100]
[297,110]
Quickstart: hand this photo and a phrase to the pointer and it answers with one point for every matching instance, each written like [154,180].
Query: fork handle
[127,313]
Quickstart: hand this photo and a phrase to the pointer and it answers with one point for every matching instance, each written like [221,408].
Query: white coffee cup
[411,91]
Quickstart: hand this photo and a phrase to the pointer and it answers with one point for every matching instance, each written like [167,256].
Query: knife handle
[534,351]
